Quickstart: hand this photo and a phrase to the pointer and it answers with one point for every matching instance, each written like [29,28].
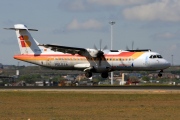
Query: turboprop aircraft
[85,59]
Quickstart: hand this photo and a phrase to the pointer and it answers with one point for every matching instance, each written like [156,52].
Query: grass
[54,105]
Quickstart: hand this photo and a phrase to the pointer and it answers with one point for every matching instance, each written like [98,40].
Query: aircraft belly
[122,66]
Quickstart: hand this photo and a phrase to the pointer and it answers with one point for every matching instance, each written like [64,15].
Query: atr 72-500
[85,59]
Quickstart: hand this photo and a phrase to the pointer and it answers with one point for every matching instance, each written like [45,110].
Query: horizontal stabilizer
[20,29]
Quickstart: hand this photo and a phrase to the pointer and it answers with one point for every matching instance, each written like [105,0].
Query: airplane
[85,59]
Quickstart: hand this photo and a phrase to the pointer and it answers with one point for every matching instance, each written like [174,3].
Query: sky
[149,24]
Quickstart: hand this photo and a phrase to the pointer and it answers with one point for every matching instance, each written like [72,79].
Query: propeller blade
[100,61]
[127,48]
[95,47]
[105,47]
[132,44]
[100,43]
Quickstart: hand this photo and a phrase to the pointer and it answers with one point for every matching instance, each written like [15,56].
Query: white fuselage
[112,61]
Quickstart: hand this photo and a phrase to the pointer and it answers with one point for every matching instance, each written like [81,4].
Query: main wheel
[88,74]
[104,75]
[160,75]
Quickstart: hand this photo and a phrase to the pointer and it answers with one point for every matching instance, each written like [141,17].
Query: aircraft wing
[66,49]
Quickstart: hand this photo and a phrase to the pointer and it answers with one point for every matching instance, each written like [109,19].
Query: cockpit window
[155,56]
[151,56]
[159,56]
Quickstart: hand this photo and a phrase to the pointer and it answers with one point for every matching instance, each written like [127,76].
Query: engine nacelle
[92,52]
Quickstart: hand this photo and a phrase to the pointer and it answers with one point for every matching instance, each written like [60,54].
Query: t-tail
[27,44]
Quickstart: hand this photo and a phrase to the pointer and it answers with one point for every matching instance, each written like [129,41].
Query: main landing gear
[103,75]
[160,73]
[88,74]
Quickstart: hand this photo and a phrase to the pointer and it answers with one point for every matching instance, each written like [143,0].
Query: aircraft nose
[168,64]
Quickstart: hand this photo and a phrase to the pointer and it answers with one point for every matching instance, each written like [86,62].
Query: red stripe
[126,54]
[23,44]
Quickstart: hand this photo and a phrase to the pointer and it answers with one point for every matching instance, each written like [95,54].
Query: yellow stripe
[137,54]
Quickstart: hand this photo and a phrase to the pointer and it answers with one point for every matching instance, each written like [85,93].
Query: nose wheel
[160,73]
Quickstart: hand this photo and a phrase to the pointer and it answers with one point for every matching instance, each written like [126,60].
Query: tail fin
[27,44]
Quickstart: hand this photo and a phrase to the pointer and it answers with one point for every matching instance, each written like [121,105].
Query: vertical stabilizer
[27,44]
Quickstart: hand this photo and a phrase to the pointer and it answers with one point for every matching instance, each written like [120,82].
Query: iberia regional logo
[25,41]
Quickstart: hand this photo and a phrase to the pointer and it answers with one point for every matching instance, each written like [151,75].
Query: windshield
[155,56]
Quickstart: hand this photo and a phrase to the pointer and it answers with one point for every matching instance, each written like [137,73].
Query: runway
[92,87]
[124,89]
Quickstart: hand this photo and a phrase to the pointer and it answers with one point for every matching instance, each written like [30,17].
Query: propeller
[100,52]
[132,44]
[127,48]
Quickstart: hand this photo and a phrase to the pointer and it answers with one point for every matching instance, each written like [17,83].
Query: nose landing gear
[160,73]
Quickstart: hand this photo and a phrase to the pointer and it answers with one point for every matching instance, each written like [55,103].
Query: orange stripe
[47,56]
[137,54]
[126,54]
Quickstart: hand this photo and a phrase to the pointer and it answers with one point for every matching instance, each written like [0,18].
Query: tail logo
[25,41]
